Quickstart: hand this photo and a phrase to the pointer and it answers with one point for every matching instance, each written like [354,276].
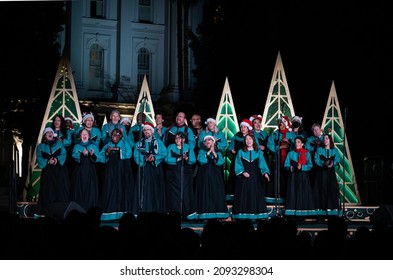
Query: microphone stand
[181,177]
[277,175]
[13,179]
[141,182]
[343,165]
[141,176]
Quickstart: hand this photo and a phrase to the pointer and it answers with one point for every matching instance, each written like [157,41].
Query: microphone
[144,97]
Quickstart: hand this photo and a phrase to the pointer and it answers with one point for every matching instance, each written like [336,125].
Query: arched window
[144,11]
[144,64]
[96,68]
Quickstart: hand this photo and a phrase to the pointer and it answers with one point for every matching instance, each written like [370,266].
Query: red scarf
[302,156]
[283,152]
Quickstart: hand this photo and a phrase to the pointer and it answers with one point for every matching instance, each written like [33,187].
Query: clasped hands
[150,158]
[184,156]
[85,152]
[53,161]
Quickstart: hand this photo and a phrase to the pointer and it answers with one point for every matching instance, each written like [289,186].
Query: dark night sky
[347,42]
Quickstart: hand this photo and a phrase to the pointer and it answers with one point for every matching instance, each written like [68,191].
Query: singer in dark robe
[136,132]
[234,146]
[326,190]
[149,155]
[179,178]
[116,194]
[299,200]
[252,174]
[54,181]
[210,187]
[84,180]
[279,143]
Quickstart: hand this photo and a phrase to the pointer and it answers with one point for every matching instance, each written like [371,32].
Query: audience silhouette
[155,236]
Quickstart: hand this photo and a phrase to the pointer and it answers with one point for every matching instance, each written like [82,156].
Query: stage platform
[355,216]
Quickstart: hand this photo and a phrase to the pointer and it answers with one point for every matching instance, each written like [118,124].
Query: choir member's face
[178,140]
[49,136]
[85,136]
[257,125]
[211,126]
[209,143]
[57,122]
[89,122]
[249,141]
[159,119]
[115,117]
[298,143]
[180,118]
[147,132]
[244,129]
[116,136]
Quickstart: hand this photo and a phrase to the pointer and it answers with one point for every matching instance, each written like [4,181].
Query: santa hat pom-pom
[255,117]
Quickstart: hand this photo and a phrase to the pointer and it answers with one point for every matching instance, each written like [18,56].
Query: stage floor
[354,215]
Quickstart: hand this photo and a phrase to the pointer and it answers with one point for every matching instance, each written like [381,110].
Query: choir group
[147,168]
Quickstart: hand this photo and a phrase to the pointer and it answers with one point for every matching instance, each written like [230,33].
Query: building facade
[115,43]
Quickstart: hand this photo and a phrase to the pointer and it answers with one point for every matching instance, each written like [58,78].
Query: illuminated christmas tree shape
[62,101]
[144,104]
[333,124]
[104,121]
[279,101]
[227,121]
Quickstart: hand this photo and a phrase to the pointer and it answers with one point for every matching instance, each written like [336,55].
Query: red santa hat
[285,120]
[255,117]
[148,125]
[246,123]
